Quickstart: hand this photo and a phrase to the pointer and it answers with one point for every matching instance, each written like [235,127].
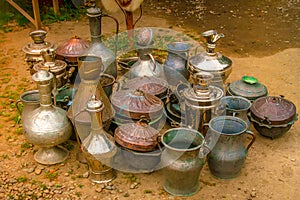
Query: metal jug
[227,157]
[47,126]
[30,101]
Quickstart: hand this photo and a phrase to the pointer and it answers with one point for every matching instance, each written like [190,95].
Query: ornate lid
[94,105]
[72,48]
[273,110]
[42,76]
[136,104]
[39,44]
[137,136]
[248,87]
[148,84]
[202,93]
[49,63]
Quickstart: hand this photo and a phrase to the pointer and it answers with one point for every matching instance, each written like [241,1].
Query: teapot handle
[17,105]
[153,60]
[252,140]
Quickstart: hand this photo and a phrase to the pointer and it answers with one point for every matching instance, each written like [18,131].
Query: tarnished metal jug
[175,65]
[96,47]
[227,157]
[30,101]
[98,147]
[237,107]
[48,125]
[201,102]
[180,159]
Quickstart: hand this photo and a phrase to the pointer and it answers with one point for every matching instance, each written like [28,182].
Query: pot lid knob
[94,105]
[249,79]
[201,82]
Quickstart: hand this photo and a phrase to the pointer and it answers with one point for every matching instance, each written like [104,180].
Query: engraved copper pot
[273,116]
[137,136]
[136,104]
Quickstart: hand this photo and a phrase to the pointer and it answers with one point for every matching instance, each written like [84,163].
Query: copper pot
[151,85]
[139,136]
[136,104]
[70,50]
[273,116]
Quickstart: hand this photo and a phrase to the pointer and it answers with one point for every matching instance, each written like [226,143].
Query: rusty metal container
[248,87]
[33,50]
[273,116]
[139,136]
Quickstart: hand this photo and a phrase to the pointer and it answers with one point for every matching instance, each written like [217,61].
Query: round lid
[248,87]
[137,136]
[136,104]
[94,105]
[273,110]
[42,76]
[54,67]
[144,37]
[74,47]
[38,44]
[148,84]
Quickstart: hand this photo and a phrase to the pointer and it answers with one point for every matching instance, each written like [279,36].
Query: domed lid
[202,93]
[39,44]
[273,110]
[94,105]
[148,84]
[137,136]
[248,87]
[74,47]
[144,37]
[136,104]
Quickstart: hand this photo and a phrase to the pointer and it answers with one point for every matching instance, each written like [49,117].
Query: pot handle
[252,140]
[17,105]
[153,60]
[204,151]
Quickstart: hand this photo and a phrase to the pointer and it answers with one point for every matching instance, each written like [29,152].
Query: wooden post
[55,7]
[24,13]
[36,13]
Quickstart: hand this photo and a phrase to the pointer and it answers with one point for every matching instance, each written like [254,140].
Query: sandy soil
[272,167]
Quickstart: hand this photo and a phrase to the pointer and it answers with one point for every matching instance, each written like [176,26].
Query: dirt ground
[261,38]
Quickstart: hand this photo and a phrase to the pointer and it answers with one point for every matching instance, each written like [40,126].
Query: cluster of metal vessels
[173,115]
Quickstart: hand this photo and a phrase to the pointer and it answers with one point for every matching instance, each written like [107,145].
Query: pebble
[99,189]
[134,185]
[253,194]
[29,170]
[85,175]
[38,171]
[293,160]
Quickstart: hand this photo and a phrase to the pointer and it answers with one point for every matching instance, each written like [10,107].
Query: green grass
[9,14]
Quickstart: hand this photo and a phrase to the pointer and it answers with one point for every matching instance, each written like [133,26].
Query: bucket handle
[252,140]
[17,105]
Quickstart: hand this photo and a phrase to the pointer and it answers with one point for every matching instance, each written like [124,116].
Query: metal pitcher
[175,66]
[181,161]
[237,107]
[227,157]
[30,101]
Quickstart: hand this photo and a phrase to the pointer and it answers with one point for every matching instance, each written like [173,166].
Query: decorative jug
[227,157]
[175,66]
[47,126]
[98,147]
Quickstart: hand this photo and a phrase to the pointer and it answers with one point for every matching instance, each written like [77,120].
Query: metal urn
[201,102]
[47,126]
[211,61]
[33,50]
[98,147]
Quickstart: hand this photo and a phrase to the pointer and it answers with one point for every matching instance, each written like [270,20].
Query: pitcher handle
[252,140]
[204,151]
[196,50]
[153,60]
[17,105]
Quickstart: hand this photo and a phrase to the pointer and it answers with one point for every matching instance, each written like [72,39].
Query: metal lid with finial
[94,105]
